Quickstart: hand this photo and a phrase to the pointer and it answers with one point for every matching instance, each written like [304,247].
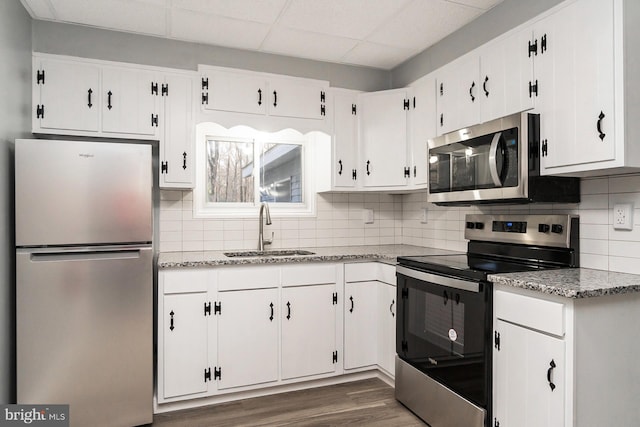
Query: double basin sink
[285,252]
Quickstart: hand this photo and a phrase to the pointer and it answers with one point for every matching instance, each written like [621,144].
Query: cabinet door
[360,321]
[528,379]
[467,90]
[383,138]
[386,315]
[308,319]
[422,125]
[293,98]
[248,337]
[69,94]
[345,139]
[128,102]
[177,141]
[184,344]
[236,92]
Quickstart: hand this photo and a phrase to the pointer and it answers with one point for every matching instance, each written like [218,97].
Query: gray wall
[505,16]
[15,122]
[76,40]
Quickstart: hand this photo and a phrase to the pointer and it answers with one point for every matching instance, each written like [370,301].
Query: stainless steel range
[443,329]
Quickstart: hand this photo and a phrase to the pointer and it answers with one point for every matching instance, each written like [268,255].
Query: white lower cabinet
[386,318]
[360,332]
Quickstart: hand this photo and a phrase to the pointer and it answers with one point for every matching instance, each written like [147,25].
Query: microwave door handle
[493,159]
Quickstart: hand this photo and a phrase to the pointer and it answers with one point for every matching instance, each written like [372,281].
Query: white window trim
[204,210]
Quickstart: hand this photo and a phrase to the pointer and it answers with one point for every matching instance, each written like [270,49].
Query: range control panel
[542,230]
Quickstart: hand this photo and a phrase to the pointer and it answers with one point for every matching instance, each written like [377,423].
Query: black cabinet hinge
[323,110]
[354,174]
[207,308]
[334,298]
[205,98]
[40,77]
[154,88]
[543,44]
[217,373]
[154,120]
[354,109]
[334,357]
[405,293]
[441,119]
[39,111]
[205,83]
[407,172]
[533,88]
[217,308]
[164,167]
[323,97]
[405,104]
[414,102]
[207,375]
[533,47]
[441,89]
[496,340]
[544,148]
[165,89]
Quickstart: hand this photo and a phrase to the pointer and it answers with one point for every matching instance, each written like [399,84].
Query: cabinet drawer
[361,272]
[233,279]
[185,280]
[387,273]
[309,274]
[539,314]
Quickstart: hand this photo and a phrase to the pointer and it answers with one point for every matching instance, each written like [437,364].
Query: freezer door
[82,193]
[85,333]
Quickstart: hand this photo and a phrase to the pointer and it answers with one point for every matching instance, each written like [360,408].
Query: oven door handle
[493,160]
[465,285]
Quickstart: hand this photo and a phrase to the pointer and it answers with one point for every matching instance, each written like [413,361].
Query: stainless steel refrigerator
[84,281]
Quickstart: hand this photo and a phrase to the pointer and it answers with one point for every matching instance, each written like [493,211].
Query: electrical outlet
[367,216]
[425,216]
[623,216]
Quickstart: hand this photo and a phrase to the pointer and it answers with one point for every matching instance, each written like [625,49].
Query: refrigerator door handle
[85,255]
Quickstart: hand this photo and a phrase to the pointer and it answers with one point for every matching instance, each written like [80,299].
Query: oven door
[443,329]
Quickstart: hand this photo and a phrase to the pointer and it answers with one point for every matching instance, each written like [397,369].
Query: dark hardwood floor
[366,403]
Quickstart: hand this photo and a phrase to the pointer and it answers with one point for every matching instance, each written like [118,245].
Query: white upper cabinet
[66,96]
[383,138]
[239,91]
[422,127]
[129,101]
[345,138]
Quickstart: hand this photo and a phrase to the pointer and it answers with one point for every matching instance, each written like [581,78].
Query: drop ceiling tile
[122,15]
[265,11]
[304,44]
[38,9]
[217,30]
[480,4]
[375,55]
[353,18]
[423,23]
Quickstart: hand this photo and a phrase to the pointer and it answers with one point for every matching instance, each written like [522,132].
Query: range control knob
[479,225]
[557,228]
[471,225]
[543,228]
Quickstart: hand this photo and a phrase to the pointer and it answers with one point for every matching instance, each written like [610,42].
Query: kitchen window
[239,168]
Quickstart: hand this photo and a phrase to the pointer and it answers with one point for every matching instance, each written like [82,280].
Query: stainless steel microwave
[494,162]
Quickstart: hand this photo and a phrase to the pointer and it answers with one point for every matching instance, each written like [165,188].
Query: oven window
[443,332]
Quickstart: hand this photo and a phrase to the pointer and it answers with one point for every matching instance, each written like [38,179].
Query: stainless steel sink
[285,252]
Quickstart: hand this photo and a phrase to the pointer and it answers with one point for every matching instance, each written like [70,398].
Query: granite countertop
[571,282]
[382,253]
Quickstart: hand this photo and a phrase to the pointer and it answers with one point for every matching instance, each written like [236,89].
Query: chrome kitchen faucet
[261,240]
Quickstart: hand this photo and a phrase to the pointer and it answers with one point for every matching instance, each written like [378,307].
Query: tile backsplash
[400,219]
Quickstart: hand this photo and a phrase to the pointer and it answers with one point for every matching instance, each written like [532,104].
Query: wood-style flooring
[361,403]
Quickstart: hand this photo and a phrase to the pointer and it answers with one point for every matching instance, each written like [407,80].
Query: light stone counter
[382,253]
[571,282]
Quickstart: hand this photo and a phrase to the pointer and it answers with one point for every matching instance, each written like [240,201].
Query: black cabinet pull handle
[184,160]
[446,297]
[271,317]
[171,327]
[484,86]
[259,96]
[109,106]
[340,164]
[275,98]
[441,119]
[552,365]
[473,98]
[415,171]
[288,310]
[391,307]
[368,163]
[599,126]
[89,92]
[351,309]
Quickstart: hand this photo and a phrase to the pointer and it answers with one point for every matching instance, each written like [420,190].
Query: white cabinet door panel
[291,98]
[177,142]
[345,139]
[237,92]
[422,123]
[360,321]
[386,317]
